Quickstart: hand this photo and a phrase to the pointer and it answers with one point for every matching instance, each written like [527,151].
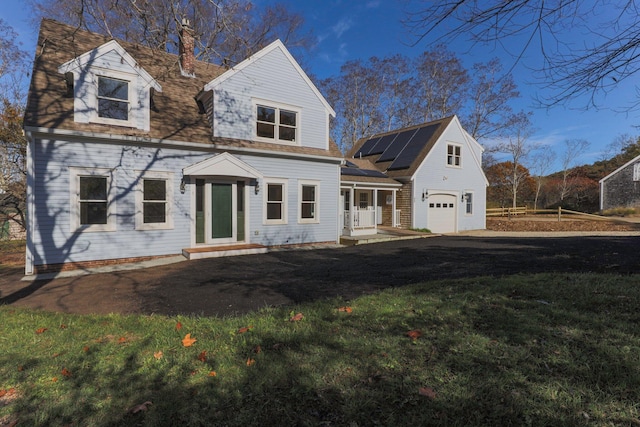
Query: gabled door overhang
[223,164]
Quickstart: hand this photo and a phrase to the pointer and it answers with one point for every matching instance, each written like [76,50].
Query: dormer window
[113,98]
[276,123]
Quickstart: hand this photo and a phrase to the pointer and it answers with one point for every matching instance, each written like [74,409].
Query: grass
[549,349]
[620,211]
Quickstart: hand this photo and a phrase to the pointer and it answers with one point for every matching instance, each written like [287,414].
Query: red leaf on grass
[158,355]
[122,340]
[345,309]
[40,330]
[212,374]
[187,341]
[245,329]
[414,334]
[63,326]
[250,361]
[203,356]
[296,318]
[257,349]
[427,392]
[178,326]
[65,372]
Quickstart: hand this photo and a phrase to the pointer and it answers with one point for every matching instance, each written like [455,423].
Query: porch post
[352,210]
[393,209]
[375,208]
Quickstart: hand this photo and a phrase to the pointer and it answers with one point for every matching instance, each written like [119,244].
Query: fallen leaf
[178,326]
[257,349]
[85,348]
[187,341]
[250,361]
[40,330]
[427,392]
[296,318]
[140,408]
[54,355]
[20,368]
[54,379]
[122,340]
[245,329]
[157,355]
[414,334]
[345,309]
[63,326]
[212,374]
[203,356]
[65,372]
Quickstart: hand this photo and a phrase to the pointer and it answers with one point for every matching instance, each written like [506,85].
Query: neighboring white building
[136,153]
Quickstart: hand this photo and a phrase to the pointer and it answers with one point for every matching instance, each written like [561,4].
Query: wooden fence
[522,210]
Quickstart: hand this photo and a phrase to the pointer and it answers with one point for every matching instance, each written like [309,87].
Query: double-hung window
[277,124]
[454,157]
[92,204]
[275,202]
[113,99]
[153,201]
[308,194]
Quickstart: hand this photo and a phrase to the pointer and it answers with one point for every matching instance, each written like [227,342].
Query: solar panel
[366,148]
[382,144]
[362,172]
[398,144]
[411,150]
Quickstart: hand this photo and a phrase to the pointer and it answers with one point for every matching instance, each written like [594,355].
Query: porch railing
[361,218]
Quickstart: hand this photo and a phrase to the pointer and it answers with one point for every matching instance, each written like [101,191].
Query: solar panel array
[413,147]
[362,172]
[398,144]
[401,148]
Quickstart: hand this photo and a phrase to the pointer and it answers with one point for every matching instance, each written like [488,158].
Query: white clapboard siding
[54,242]
[270,78]
[436,177]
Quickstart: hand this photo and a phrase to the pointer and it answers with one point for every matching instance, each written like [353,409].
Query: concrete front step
[223,251]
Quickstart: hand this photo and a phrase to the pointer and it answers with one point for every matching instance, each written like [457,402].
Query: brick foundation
[82,265]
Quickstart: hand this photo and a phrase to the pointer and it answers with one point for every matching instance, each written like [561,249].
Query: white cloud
[341,27]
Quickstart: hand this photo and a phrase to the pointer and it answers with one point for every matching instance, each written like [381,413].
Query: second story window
[113,98]
[453,155]
[276,123]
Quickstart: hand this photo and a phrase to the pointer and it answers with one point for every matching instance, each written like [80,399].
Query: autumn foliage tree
[500,192]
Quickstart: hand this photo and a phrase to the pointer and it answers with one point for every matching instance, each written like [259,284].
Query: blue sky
[354,29]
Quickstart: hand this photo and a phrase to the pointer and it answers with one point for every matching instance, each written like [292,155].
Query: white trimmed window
[277,123]
[308,196]
[275,201]
[92,202]
[114,98]
[468,197]
[454,157]
[636,172]
[154,193]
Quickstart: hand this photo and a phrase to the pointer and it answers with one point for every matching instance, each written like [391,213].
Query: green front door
[221,210]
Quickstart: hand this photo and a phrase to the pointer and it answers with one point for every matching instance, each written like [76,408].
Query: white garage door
[442,213]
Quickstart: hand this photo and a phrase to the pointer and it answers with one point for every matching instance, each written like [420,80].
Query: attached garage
[442,213]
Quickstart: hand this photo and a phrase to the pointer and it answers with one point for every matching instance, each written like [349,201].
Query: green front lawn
[556,350]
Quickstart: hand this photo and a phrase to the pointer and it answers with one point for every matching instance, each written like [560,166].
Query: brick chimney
[186,49]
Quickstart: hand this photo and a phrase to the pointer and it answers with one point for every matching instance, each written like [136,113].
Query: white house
[426,176]
[136,153]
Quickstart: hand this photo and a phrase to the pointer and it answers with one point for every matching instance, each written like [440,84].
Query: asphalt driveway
[237,285]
